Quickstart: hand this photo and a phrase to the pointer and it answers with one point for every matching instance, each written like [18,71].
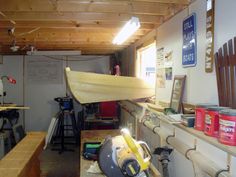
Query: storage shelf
[199,134]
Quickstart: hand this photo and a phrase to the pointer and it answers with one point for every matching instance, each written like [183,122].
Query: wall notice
[44,71]
[189,41]
[161,78]
[160,57]
[210,36]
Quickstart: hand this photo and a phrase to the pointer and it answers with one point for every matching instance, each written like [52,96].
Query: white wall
[200,86]
[13,67]
[38,96]
[225,24]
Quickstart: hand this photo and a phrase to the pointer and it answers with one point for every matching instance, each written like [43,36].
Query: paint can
[227,130]
[212,121]
[200,112]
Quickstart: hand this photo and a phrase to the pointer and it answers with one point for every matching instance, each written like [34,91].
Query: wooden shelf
[199,134]
[211,140]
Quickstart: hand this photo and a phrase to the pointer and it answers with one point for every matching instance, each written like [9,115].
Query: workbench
[22,160]
[97,136]
[6,107]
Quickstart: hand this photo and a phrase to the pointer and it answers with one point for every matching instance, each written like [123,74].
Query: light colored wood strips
[90,87]
[69,25]
[79,17]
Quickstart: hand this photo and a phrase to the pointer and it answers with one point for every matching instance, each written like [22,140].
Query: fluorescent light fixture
[54,53]
[128,30]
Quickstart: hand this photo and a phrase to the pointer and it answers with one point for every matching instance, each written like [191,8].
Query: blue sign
[189,50]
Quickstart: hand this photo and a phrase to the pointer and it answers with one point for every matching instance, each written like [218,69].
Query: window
[147,63]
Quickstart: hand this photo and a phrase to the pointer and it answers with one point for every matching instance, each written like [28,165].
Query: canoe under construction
[91,87]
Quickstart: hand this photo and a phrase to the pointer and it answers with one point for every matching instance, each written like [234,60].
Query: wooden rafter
[79,24]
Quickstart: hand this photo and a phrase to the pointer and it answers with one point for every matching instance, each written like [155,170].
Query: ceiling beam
[124,7]
[61,31]
[78,17]
[68,25]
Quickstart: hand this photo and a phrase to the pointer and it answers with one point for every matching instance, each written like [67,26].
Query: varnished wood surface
[22,160]
[5,107]
[49,25]
[91,87]
[225,63]
[93,136]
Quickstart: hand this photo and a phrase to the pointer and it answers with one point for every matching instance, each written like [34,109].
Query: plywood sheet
[91,87]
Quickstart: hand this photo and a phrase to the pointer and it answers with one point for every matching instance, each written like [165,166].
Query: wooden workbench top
[5,107]
[22,160]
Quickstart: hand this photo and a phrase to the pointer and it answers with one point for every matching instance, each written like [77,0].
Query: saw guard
[136,147]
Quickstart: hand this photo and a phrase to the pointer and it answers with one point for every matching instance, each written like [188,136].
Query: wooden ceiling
[86,25]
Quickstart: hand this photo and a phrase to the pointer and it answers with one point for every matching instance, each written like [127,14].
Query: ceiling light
[128,30]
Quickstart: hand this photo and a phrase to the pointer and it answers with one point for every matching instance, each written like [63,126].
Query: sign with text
[210,36]
[189,50]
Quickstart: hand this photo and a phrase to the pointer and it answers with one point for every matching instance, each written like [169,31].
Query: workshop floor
[54,164]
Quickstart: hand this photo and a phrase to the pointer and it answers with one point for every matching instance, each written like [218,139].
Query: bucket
[227,130]
[212,121]
[200,116]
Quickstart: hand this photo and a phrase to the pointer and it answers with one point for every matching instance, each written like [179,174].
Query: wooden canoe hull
[92,87]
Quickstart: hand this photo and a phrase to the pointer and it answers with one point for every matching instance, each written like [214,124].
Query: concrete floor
[54,164]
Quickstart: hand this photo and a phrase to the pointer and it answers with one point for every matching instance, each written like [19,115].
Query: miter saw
[122,156]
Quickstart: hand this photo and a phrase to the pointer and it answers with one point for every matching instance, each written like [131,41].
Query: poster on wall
[189,48]
[44,71]
[161,78]
[160,57]
[210,36]
[168,72]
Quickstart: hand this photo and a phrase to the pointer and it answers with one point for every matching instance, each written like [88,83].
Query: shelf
[199,134]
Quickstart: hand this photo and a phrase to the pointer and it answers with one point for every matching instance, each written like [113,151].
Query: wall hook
[191,149]
[157,126]
[170,136]
[221,171]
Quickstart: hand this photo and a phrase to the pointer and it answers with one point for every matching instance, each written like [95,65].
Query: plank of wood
[78,6]
[3,108]
[158,108]
[77,16]
[226,78]
[22,160]
[91,87]
[232,75]
[222,78]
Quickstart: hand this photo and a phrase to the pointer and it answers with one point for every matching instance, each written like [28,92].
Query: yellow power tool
[122,156]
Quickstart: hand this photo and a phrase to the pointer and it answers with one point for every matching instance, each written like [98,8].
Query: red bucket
[212,121]
[227,131]
[200,112]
